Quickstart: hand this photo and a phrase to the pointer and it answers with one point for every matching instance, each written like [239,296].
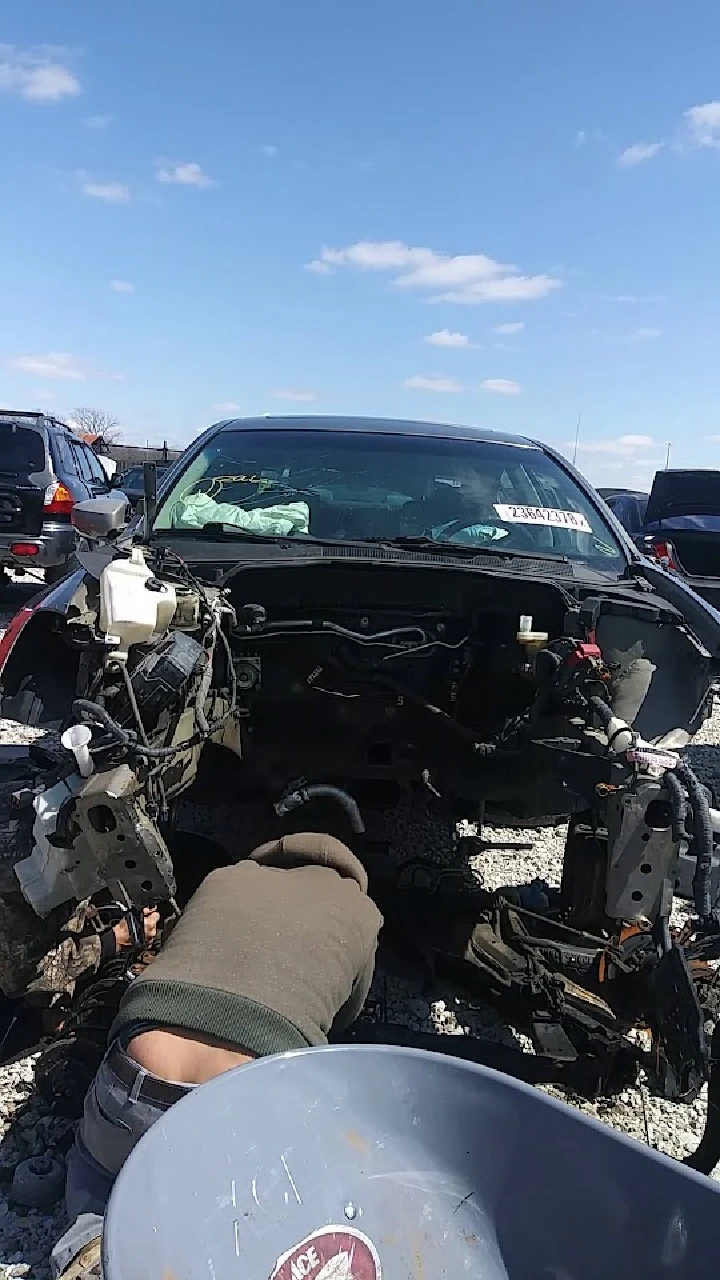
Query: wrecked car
[320,620]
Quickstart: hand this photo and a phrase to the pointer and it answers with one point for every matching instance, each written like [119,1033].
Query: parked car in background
[629,506]
[131,482]
[677,524]
[682,528]
[44,471]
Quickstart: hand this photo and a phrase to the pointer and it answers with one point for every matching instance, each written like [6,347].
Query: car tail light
[664,553]
[7,640]
[58,500]
[24,549]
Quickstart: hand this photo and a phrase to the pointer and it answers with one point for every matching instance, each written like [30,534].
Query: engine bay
[333,691]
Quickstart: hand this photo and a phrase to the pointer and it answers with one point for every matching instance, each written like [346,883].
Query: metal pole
[577,437]
[667,455]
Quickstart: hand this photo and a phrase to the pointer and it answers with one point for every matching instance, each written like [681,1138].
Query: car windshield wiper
[220,532]
[217,531]
[421,542]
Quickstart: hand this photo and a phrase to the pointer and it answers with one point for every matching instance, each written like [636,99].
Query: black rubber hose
[702,839]
[323,791]
[84,710]
[95,714]
[678,804]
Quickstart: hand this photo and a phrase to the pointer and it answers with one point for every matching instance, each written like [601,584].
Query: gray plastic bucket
[356,1162]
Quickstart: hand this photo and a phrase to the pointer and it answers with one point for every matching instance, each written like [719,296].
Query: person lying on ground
[270,955]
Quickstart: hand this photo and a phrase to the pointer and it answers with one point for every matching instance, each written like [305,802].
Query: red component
[7,641]
[24,549]
[664,552]
[58,500]
[584,651]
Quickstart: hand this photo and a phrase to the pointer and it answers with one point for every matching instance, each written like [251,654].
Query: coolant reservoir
[532,640]
[134,605]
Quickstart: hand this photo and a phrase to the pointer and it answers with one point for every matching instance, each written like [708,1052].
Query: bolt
[350,1211]
[364,622]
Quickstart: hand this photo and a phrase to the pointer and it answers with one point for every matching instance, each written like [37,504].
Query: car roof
[622,493]
[379,426]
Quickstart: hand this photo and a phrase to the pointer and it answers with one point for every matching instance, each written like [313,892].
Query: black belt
[163,1092]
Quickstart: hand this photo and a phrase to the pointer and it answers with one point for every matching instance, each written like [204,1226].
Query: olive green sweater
[268,955]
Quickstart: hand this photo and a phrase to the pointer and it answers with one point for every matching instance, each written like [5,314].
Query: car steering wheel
[456,526]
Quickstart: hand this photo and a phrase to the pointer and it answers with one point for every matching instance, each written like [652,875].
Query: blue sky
[495,211]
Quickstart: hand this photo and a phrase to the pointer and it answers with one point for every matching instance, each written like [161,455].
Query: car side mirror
[100,518]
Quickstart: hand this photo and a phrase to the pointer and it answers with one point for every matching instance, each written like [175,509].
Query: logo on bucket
[335,1253]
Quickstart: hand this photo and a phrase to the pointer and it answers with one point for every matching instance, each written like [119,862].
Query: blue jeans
[115,1117]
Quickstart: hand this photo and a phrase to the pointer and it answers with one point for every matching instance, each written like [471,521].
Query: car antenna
[577,437]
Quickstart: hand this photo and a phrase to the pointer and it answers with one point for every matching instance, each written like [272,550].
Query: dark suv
[44,471]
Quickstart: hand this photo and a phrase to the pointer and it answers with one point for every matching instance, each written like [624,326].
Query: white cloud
[638,153]
[56,364]
[59,366]
[268,150]
[501,386]
[294,393]
[98,123]
[639,335]
[38,75]
[703,124]
[516,326]
[446,338]
[622,446]
[226,406]
[122,286]
[467,278]
[185,174]
[110,192]
[434,382]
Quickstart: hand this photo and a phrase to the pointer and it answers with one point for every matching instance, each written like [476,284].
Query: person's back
[213,978]
[269,956]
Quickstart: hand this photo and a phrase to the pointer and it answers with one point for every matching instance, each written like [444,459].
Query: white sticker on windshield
[543,515]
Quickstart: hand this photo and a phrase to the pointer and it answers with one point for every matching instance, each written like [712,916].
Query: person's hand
[151,919]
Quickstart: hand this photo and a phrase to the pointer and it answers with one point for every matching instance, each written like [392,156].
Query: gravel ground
[26,1129]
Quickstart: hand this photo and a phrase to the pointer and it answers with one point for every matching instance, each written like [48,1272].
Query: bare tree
[96,422]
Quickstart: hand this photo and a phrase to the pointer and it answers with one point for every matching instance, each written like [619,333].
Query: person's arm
[82,952]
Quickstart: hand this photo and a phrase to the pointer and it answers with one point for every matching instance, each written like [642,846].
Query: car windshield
[357,485]
[134,476]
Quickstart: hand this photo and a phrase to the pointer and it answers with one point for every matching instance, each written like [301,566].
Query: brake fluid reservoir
[133,604]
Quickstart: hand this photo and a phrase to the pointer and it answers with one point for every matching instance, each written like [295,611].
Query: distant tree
[96,422]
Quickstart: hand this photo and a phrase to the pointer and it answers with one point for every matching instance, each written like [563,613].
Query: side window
[81,462]
[63,455]
[99,476]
